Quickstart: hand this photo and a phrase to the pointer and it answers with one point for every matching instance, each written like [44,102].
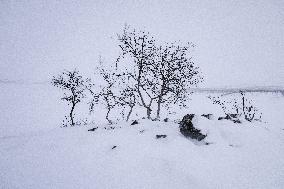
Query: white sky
[239,43]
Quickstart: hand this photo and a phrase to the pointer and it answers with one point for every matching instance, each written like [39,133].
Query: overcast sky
[238,43]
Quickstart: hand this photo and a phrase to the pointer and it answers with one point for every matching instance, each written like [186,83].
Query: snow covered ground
[37,153]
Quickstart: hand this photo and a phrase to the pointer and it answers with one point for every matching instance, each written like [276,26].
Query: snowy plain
[37,153]
[238,43]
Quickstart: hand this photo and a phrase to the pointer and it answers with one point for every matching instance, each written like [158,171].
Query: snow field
[37,153]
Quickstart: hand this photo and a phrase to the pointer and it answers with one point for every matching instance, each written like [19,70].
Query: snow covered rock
[188,130]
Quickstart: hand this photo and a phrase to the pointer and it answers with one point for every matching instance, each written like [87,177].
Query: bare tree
[162,74]
[117,92]
[127,98]
[73,85]
[237,107]
[230,108]
[105,95]
[175,72]
[110,101]
[249,110]
[140,47]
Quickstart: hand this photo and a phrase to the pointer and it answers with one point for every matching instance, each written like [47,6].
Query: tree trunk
[129,113]
[139,92]
[243,108]
[160,100]
[107,118]
[71,114]
[148,112]
[159,107]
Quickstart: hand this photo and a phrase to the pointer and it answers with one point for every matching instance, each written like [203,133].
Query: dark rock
[220,118]
[161,136]
[237,121]
[208,116]
[109,128]
[188,117]
[231,117]
[113,147]
[227,117]
[166,119]
[188,130]
[135,122]
[93,129]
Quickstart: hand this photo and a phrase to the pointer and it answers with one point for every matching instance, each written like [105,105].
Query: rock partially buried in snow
[161,136]
[109,128]
[135,122]
[93,129]
[208,116]
[113,147]
[233,117]
[188,130]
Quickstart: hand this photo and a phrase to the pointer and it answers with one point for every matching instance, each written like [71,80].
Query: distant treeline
[237,90]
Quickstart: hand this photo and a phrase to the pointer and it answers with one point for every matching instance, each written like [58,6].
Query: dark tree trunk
[149,113]
[160,100]
[71,114]
[107,116]
[159,107]
[243,107]
[129,113]
[139,92]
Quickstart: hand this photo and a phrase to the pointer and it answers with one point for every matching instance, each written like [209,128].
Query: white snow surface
[37,153]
